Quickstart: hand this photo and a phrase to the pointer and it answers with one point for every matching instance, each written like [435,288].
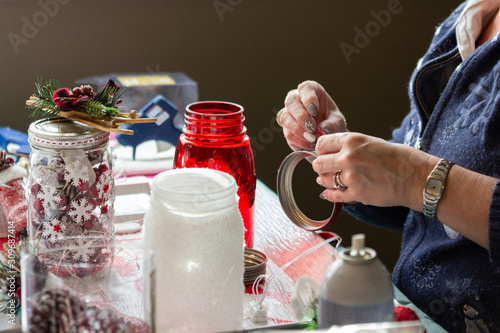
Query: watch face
[434,187]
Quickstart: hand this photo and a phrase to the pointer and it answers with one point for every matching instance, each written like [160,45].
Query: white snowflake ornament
[82,250]
[50,196]
[102,187]
[53,230]
[80,210]
[76,171]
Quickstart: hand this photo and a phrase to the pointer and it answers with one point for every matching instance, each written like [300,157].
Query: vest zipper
[417,81]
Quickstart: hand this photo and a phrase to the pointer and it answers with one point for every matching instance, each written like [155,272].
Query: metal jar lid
[287,200]
[61,133]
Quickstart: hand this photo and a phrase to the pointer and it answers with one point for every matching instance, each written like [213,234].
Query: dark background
[246,51]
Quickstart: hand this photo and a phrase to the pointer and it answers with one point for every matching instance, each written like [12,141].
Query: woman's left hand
[376,172]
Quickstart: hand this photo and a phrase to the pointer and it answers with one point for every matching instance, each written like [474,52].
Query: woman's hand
[375,171]
[307,107]
[380,173]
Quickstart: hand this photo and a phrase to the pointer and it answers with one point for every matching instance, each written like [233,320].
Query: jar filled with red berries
[70,197]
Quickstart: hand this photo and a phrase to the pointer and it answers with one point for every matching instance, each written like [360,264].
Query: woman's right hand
[306,108]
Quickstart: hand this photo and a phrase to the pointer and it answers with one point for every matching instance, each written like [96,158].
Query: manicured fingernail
[323,196]
[309,126]
[313,110]
[326,130]
[312,144]
[309,137]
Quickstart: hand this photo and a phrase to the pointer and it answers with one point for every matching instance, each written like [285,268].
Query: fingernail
[318,180]
[312,144]
[326,130]
[323,196]
[309,137]
[313,110]
[309,126]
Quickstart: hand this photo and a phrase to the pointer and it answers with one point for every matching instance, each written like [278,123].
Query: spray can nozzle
[358,246]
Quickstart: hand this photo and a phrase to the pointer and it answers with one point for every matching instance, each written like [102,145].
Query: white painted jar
[196,232]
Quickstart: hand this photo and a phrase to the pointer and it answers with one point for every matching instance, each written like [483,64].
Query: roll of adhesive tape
[287,200]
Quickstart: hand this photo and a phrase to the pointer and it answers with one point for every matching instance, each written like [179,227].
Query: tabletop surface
[282,241]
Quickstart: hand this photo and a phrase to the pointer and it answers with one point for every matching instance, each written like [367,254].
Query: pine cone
[94,320]
[87,90]
[55,311]
[5,160]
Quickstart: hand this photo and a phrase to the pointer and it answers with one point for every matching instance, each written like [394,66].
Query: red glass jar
[215,137]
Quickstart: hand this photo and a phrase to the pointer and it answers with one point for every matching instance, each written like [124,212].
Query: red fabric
[14,204]
[402,313]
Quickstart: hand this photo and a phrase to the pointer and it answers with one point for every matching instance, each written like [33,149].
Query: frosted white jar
[196,232]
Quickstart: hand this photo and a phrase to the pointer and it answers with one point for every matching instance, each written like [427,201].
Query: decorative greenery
[50,98]
[10,278]
[312,314]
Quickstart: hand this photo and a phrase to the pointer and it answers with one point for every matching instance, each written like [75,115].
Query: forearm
[465,203]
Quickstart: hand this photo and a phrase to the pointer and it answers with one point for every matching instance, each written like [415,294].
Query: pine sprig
[10,272]
[97,109]
[11,264]
[46,105]
[312,313]
[45,89]
[44,109]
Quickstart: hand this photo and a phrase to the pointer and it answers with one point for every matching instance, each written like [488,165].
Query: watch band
[434,187]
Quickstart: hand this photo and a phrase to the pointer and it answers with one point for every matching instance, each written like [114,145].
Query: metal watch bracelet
[434,187]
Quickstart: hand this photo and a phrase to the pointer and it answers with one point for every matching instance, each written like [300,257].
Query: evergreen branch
[45,104]
[45,89]
[97,109]
[44,109]
[5,302]
[5,266]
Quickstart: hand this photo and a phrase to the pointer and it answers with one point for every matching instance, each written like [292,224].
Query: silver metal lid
[287,200]
[61,133]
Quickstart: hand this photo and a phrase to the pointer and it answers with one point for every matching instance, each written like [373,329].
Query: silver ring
[287,200]
[338,185]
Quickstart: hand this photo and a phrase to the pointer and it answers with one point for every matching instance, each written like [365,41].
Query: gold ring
[338,185]
[278,115]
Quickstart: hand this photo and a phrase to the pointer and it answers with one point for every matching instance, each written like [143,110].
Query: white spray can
[356,289]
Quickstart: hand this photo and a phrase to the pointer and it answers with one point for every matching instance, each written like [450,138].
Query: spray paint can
[356,289]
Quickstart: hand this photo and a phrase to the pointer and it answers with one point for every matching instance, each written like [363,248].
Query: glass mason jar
[70,196]
[195,230]
[214,136]
[114,302]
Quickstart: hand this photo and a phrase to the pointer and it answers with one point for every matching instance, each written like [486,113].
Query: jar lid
[287,200]
[62,133]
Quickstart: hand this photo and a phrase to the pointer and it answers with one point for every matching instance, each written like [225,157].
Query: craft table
[281,241]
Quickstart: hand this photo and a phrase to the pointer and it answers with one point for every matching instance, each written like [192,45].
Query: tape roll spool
[287,200]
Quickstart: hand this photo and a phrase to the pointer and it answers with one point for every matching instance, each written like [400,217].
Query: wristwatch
[434,187]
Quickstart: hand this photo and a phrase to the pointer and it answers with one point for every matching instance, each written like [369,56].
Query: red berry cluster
[68,100]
